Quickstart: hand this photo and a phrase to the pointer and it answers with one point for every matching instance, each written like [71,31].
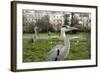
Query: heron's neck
[66,40]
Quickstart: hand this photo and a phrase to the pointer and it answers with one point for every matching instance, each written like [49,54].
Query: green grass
[79,52]
[38,51]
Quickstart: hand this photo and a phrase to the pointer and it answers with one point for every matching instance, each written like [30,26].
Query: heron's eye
[66,27]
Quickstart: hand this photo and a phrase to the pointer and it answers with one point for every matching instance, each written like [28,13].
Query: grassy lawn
[38,50]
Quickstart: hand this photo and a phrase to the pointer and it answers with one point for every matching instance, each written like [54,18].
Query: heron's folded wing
[54,49]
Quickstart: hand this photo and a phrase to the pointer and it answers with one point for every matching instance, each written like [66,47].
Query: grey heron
[60,51]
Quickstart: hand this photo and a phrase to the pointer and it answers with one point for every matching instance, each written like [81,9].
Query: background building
[57,20]
[54,20]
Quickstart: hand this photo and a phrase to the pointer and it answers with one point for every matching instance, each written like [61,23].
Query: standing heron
[59,52]
[36,31]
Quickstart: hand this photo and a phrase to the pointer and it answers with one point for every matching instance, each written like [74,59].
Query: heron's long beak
[71,28]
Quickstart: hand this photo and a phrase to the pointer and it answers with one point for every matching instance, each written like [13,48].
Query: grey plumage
[63,49]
